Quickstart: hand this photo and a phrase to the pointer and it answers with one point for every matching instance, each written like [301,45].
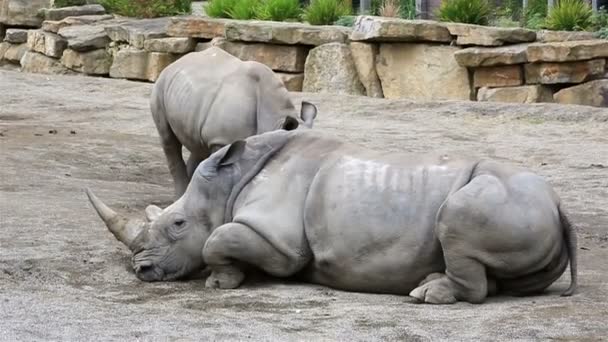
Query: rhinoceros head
[168,245]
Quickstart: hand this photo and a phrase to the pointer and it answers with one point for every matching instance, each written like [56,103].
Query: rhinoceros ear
[289,123]
[233,153]
[153,212]
[308,113]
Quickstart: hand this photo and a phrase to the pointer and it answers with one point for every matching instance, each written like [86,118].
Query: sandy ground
[64,277]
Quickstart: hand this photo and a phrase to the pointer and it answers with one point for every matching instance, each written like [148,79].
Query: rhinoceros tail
[571,242]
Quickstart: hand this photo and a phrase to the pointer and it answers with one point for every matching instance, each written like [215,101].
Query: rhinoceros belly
[370,221]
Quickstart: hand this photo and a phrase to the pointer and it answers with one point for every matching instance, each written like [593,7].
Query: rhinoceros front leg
[235,242]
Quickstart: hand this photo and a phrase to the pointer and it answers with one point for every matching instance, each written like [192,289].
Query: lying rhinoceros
[438,228]
[209,99]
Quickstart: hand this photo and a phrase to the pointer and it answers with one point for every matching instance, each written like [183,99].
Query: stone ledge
[64,12]
[381,29]
[198,27]
[55,25]
[568,51]
[522,94]
[284,33]
[136,31]
[504,55]
[85,37]
[468,34]
[570,72]
[594,93]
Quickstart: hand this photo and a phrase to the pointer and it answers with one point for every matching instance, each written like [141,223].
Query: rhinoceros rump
[208,99]
[438,228]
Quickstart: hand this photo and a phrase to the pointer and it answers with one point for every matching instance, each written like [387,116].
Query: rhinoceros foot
[439,290]
[224,277]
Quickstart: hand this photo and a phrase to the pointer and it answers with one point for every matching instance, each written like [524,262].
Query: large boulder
[284,32]
[570,72]
[196,26]
[293,82]
[73,11]
[85,37]
[289,58]
[137,31]
[14,52]
[38,63]
[482,56]
[422,72]
[468,34]
[498,76]
[381,29]
[46,43]
[594,93]
[330,69]
[96,62]
[522,94]
[364,56]
[22,12]
[15,36]
[568,51]
[170,45]
[138,64]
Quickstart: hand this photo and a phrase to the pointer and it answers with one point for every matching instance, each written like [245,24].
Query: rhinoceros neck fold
[236,190]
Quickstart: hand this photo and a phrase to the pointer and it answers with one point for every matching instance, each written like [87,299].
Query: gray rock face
[96,62]
[73,11]
[364,55]
[22,12]
[15,36]
[38,63]
[171,45]
[46,43]
[492,56]
[330,69]
[135,32]
[523,94]
[55,25]
[137,64]
[85,37]
[289,58]
[14,52]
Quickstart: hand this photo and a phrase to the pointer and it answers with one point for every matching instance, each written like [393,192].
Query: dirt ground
[64,277]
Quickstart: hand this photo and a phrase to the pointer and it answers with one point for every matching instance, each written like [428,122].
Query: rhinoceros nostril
[144,269]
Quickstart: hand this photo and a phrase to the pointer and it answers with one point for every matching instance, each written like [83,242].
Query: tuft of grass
[465,11]
[570,15]
[326,12]
[220,8]
[390,8]
[147,8]
[244,9]
[279,10]
[68,3]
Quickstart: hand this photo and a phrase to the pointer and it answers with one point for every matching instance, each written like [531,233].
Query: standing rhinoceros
[438,228]
[209,99]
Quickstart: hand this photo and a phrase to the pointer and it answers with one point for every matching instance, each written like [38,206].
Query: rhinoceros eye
[180,223]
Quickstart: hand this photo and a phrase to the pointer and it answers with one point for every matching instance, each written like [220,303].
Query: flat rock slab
[15,36]
[569,72]
[522,94]
[498,76]
[284,33]
[171,44]
[135,32]
[546,36]
[380,29]
[64,12]
[22,12]
[55,25]
[593,93]
[198,27]
[568,51]
[486,56]
[95,62]
[468,34]
[85,37]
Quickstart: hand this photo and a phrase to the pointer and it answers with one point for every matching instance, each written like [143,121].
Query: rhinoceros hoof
[224,277]
[436,291]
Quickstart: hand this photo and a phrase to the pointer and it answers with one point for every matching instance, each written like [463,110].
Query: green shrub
[147,8]
[220,8]
[347,20]
[279,10]
[535,21]
[534,15]
[465,11]
[602,33]
[326,12]
[570,15]
[408,9]
[244,9]
[504,21]
[600,19]
[67,3]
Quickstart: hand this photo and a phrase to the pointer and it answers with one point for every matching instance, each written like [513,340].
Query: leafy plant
[602,33]
[220,8]
[504,21]
[408,9]
[326,12]
[465,11]
[570,15]
[535,21]
[147,8]
[347,20]
[67,3]
[278,10]
[390,8]
[600,19]
[244,9]
[534,15]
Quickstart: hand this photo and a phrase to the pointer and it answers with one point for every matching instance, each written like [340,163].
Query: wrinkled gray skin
[439,228]
[206,100]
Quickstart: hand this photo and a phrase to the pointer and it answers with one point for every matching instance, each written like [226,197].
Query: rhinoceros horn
[125,230]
